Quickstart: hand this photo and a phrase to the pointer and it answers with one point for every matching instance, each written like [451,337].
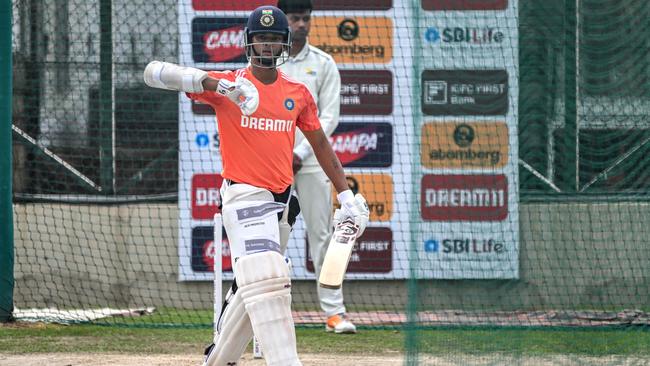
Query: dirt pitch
[74,359]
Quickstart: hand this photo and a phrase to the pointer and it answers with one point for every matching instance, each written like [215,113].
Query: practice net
[501,146]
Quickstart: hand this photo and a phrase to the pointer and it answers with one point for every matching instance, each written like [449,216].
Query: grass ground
[83,338]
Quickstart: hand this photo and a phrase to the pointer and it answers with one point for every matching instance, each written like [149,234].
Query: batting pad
[251,223]
[235,332]
[265,288]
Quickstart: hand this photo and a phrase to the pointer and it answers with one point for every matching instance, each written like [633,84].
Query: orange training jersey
[258,149]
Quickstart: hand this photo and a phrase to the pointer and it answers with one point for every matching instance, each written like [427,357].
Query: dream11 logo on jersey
[218,40]
[359,144]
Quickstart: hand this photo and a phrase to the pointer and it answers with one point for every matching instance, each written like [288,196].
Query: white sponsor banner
[468,209]
[378,146]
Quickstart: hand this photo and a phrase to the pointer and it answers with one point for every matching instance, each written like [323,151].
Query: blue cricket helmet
[267,19]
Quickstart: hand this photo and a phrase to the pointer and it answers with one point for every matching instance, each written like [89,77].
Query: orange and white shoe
[339,324]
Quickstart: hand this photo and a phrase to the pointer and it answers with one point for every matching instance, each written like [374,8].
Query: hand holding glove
[352,207]
[241,92]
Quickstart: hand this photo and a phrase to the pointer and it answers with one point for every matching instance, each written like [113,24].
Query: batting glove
[241,92]
[352,207]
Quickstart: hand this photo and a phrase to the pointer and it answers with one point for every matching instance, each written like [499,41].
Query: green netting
[503,151]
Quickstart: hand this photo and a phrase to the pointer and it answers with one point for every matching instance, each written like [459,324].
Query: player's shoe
[339,324]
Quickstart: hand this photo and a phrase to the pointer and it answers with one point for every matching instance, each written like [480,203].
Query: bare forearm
[333,169]
[327,159]
[210,83]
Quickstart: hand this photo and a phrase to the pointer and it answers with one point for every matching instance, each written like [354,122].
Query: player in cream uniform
[318,71]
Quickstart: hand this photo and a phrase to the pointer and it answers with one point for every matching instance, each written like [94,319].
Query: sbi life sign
[467,35]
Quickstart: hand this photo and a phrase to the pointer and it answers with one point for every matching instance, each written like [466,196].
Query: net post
[6,207]
[106,96]
[571,174]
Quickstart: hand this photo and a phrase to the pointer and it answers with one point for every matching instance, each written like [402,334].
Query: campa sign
[377,189]
[363,145]
[464,145]
[218,40]
[354,39]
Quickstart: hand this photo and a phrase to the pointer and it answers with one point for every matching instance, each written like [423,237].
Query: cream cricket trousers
[315,198]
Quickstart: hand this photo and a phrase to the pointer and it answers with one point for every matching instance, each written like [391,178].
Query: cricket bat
[338,254]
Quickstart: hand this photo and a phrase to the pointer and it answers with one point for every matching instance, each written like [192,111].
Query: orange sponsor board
[377,189]
[354,39]
[464,145]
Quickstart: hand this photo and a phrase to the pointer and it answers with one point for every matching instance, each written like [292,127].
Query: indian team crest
[289,104]
[267,19]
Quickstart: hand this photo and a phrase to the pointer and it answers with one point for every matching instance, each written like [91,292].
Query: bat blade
[338,255]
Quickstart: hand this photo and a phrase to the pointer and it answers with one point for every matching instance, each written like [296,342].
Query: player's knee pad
[265,289]
[234,332]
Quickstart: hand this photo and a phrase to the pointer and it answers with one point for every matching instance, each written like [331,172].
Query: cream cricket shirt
[318,71]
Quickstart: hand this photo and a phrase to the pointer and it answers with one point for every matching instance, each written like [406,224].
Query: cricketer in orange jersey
[258,110]
[258,149]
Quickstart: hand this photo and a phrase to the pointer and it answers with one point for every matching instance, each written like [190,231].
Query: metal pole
[106,125]
[6,173]
[570,174]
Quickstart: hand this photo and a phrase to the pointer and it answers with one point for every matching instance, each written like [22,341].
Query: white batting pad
[235,332]
[265,288]
[252,225]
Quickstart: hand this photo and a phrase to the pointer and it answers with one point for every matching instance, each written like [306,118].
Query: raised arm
[165,75]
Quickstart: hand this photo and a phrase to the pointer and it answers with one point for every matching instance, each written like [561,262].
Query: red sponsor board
[223,44]
[464,4]
[372,253]
[218,39]
[205,195]
[206,5]
[208,255]
[366,92]
[464,197]
[203,250]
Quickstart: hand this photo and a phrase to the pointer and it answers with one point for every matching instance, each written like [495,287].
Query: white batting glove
[353,207]
[241,92]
